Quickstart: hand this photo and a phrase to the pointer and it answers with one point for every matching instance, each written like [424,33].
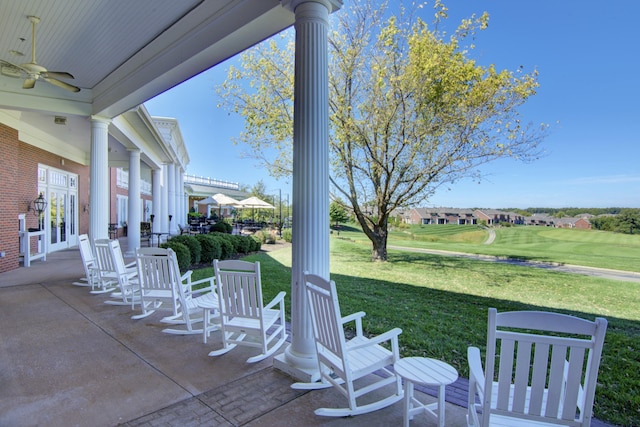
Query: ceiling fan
[35,71]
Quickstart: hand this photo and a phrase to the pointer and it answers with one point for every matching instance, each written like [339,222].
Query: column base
[303,368]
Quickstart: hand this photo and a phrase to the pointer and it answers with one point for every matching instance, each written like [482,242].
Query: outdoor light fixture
[39,205]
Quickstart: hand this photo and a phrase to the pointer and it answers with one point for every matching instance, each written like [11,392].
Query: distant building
[442,216]
[436,216]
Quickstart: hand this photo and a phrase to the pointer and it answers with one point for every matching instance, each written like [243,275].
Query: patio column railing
[99,179]
[310,248]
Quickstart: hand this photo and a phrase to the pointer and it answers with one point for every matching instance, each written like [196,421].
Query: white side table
[422,370]
[209,305]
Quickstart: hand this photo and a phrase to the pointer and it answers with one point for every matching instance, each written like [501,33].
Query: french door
[61,215]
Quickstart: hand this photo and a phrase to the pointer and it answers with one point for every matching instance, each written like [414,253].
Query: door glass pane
[72,215]
[61,217]
[53,215]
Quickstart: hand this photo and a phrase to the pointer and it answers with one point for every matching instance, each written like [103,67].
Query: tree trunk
[379,241]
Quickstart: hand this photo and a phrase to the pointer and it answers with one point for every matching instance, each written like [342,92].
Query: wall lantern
[39,205]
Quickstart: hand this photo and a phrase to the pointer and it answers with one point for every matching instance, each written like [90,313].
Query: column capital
[331,5]
[100,119]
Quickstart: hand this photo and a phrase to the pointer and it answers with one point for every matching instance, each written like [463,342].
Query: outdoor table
[426,371]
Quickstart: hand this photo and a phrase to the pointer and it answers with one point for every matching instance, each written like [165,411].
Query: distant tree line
[627,221]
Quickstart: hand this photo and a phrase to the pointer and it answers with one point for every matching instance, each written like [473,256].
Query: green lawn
[591,248]
[441,305]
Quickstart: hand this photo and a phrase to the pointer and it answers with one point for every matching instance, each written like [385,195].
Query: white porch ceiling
[124,52]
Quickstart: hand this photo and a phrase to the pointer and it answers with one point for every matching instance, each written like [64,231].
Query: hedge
[195,248]
[182,254]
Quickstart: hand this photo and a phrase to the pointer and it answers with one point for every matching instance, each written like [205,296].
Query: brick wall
[19,187]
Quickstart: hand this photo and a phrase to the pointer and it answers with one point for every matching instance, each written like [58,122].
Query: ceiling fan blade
[10,66]
[29,83]
[61,84]
[58,75]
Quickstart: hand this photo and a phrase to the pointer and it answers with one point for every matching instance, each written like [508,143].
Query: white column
[310,249]
[172,198]
[183,200]
[99,206]
[177,200]
[156,199]
[133,219]
[163,222]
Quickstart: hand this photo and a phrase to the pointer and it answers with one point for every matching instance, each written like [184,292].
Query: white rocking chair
[242,313]
[107,275]
[160,282]
[531,377]
[341,362]
[128,292]
[89,262]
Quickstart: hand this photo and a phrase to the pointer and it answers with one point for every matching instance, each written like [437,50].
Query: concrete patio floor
[68,359]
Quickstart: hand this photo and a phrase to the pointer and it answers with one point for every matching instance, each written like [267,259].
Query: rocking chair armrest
[390,335]
[186,276]
[476,373]
[131,264]
[211,286]
[278,299]
[357,317]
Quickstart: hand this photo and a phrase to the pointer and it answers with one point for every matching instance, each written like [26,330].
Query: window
[122,210]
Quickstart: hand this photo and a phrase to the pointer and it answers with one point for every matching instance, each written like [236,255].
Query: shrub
[243,243]
[261,236]
[182,254]
[210,247]
[286,235]
[257,244]
[221,227]
[195,248]
[227,248]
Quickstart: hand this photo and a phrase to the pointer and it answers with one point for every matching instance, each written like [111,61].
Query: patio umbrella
[208,201]
[224,200]
[254,202]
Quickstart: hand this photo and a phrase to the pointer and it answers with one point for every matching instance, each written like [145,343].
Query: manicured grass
[441,305]
[591,248]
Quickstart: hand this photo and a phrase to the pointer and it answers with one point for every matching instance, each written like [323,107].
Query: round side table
[425,371]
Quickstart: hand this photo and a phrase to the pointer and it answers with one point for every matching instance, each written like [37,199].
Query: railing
[122,181]
[192,179]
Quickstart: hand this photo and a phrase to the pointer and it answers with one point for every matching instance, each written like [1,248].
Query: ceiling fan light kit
[35,71]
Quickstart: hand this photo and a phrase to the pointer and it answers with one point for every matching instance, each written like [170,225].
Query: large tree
[409,109]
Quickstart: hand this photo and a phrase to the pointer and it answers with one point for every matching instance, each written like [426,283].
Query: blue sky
[586,53]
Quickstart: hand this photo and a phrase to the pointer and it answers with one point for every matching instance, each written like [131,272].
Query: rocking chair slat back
[325,314]
[103,256]
[540,367]
[241,292]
